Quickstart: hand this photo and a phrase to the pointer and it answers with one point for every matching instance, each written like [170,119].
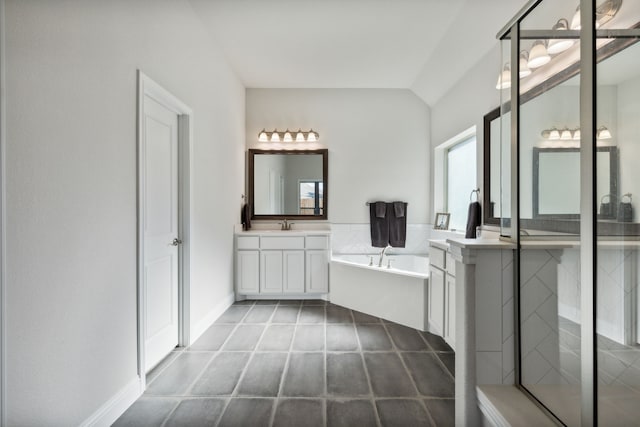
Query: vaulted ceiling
[423,45]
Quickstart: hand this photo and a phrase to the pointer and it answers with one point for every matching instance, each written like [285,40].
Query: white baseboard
[108,413]
[211,317]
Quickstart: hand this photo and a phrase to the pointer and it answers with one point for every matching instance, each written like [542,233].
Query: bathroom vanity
[442,292]
[274,263]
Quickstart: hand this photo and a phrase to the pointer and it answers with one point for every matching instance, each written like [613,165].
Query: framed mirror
[491,209]
[288,184]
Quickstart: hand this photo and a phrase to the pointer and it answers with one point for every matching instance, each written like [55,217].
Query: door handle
[176,242]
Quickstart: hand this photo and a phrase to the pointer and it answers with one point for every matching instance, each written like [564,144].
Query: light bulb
[554,134]
[275,136]
[565,135]
[263,137]
[523,69]
[504,79]
[287,136]
[312,136]
[604,133]
[560,45]
[576,135]
[299,136]
[538,56]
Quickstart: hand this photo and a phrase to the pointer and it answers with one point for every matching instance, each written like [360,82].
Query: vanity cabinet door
[271,272]
[450,310]
[317,274]
[248,272]
[293,266]
[436,300]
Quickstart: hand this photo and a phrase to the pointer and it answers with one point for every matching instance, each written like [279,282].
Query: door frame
[148,87]
[3,205]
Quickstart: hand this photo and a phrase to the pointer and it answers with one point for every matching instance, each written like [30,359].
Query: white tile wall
[356,239]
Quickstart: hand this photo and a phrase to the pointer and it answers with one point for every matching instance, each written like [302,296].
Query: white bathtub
[398,294]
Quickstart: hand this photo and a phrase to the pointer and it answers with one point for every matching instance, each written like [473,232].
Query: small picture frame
[442,221]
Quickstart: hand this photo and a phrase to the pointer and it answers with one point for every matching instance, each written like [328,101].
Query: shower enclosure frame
[512,33]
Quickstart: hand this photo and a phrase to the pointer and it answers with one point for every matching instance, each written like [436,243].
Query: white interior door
[160,224]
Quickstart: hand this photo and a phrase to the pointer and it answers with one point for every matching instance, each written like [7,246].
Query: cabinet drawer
[249,242]
[451,264]
[437,257]
[288,242]
[317,242]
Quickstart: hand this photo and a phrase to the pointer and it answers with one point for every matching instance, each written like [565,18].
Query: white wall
[466,104]
[71,190]
[378,143]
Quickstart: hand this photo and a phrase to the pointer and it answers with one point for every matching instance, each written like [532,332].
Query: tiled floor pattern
[301,363]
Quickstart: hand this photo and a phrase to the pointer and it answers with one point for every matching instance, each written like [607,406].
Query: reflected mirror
[556,182]
[288,184]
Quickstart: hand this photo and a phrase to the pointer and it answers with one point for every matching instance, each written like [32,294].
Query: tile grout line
[286,366]
[372,397]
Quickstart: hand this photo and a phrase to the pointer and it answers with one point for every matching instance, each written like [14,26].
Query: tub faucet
[382,255]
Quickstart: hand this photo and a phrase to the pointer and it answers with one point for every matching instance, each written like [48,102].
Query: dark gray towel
[473,220]
[397,224]
[245,216]
[379,227]
[398,208]
[381,209]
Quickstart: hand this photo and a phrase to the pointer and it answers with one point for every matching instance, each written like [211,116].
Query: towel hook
[477,192]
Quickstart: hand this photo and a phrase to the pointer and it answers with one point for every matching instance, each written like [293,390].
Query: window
[461,180]
[455,168]
[311,193]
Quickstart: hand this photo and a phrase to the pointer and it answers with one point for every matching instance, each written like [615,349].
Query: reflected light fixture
[554,134]
[556,46]
[504,79]
[538,56]
[604,13]
[523,69]
[299,136]
[262,136]
[603,133]
[565,135]
[287,136]
[576,134]
[275,136]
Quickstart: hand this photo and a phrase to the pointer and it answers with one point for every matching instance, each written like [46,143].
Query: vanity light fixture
[604,13]
[556,46]
[576,134]
[287,136]
[538,56]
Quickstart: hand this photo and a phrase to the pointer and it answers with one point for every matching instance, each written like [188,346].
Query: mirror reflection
[618,110]
[288,183]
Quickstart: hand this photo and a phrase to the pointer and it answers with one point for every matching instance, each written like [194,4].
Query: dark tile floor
[301,363]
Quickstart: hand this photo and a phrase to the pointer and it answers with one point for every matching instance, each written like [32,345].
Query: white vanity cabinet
[442,293]
[273,263]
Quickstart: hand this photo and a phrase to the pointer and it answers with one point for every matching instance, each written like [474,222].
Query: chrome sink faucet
[286,225]
[382,255]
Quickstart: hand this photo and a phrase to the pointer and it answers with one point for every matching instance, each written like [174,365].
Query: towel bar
[369,203]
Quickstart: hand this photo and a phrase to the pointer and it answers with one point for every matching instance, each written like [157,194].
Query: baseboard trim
[211,317]
[108,413]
